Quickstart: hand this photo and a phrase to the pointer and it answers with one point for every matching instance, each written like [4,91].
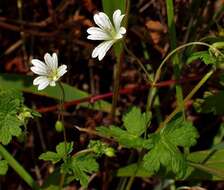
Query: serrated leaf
[184,136]
[167,155]
[60,148]
[55,157]
[80,175]
[123,137]
[87,163]
[10,103]
[165,152]
[79,167]
[3,167]
[204,56]
[136,122]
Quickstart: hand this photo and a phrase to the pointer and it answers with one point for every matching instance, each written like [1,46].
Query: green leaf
[181,133]
[211,104]
[210,165]
[3,167]
[135,169]
[204,56]
[79,175]
[50,156]
[10,103]
[110,6]
[24,83]
[60,148]
[55,157]
[87,163]
[123,137]
[79,167]
[165,152]
[100,148]
[136,122]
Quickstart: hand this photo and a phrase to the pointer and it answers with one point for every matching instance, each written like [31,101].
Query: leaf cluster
[135,124]
[165,147]
[76,167]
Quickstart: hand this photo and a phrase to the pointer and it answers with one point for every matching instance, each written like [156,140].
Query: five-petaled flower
[106,31]
[49,71]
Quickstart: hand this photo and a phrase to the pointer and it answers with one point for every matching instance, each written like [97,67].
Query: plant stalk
[188,97]
[176,59]
[18,168]
[61,118]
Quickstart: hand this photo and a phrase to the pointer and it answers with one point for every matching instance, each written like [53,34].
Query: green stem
[117,73]
[149,78]
[158,72]
[188,97]
[18,168]
[61,117]
[176,59]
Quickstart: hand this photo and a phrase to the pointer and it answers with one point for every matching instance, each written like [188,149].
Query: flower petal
[39,80]
[39,70]
[122,30]
[101,50]
[103,21]
[107,45]
[62,70]
[39,64]
[49,60]
[117,18]
[55,61]
[97,34]
[43,85]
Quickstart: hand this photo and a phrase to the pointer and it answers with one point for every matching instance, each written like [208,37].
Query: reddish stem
[127,90]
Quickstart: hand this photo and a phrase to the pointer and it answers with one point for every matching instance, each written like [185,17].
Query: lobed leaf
[165,152]
[10,104]
[136,122]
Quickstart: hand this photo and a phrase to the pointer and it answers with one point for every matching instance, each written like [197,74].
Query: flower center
[53,75]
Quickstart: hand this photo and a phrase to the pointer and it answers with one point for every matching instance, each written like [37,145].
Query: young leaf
[165,151]
[122,137]
[79,167]
[50,156]
[3,167]
[204,56]
[60,148]
[136,122]
[55,157]
[10,103]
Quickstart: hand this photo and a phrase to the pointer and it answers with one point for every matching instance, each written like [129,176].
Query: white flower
[49,71]
[106,31]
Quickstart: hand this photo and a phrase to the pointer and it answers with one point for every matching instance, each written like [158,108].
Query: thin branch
[127,90]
